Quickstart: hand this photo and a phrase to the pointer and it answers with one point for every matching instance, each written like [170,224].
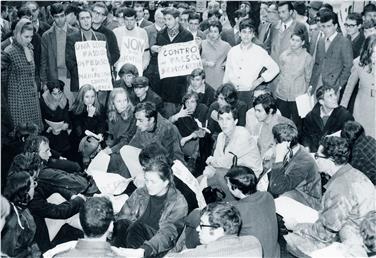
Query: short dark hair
[299,31]
[247,23]
[223,215]
[26,129]
[327,15]
[96,215]
[229,93]
[32,143]
[230,110]
[161,167]
[140,82]
[240,13]
[72,8]
[24,11]
[172,11]
[300,7]
[369,8]
[284,132]
[216,13]
[194,16]
[153,151]
[242,178]
[149,109]
[321,91]
[355,17]
[369,24]
[216,24]
[267,101]
[288,3]
[351,131]
[128,69]
[336,148]
[55,84]
[101,5]
[327,6]
[189,95]
[56,8]
[28,161]
[83,10]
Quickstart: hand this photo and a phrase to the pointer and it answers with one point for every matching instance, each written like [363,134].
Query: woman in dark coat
[55,109]
[18,63]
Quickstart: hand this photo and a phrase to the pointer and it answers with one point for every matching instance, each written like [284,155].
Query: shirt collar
[36,25]
[242,47]
[201,89]
[288,23]
[331,38]
[65,28]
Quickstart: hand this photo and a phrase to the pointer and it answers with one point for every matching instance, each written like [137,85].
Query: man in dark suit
[353,27]
[232,36]
[141,22]
[54,40]
[334,56]
[193,27]
[84,34]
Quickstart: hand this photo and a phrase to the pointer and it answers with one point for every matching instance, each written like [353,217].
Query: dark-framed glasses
[206,226]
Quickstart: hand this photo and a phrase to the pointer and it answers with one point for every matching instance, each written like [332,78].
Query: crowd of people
[235,123]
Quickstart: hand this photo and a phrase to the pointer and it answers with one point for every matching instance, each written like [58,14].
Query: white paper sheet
[99,163]
[56,126]
[304,104]
[291,209]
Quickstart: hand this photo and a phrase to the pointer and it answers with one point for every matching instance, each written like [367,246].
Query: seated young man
[96,218]
[349,196]
[266,114]
[127,73]
[152,127]
[218,232]
[294,173]
[197,84]
[143,93]
[326,117]
[48,184]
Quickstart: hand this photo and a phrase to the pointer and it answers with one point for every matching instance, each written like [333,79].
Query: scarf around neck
[52,103]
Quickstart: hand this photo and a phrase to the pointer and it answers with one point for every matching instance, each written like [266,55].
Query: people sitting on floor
[218,231]
[152,217]
[294,173]
[363,149]
[326,117]
[349,196]
[96,218]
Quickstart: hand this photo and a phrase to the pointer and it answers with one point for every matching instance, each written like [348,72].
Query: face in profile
[206,232]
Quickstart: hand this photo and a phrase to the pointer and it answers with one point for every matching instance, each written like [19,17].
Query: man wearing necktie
[334,56]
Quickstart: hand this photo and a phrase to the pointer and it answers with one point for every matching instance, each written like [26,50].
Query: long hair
[366,52]
[17,188]
[128,112]
[79,106]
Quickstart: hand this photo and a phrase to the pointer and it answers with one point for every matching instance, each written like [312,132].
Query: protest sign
[131,51]
[93,66]
[179,59]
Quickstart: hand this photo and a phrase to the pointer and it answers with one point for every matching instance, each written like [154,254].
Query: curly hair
[223,215]
[79,106]
[351,131]
[128,112]
[28,161]
[32,143]
[17,188]
[336,148]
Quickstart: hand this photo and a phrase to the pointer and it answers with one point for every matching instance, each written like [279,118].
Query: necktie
[327,44]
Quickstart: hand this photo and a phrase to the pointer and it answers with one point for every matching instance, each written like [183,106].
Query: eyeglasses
[317,156]
[349,25]
[206,226]
[57,93]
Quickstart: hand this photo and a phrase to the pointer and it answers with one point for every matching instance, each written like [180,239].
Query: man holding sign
[92,51]
[172,88]
[133,42]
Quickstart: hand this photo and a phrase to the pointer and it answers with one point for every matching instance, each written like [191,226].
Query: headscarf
[17,36]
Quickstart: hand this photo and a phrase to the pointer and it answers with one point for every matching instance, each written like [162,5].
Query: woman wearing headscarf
[18,63]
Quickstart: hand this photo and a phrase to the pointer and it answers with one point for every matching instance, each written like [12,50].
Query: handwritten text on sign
[131,51]
[93,66]
[179,59]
